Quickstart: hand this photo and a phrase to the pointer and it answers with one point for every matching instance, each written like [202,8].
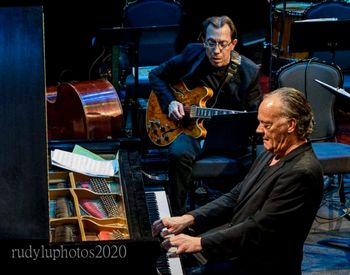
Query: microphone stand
[278,47]
[280,38]
[268,44]
[272,7]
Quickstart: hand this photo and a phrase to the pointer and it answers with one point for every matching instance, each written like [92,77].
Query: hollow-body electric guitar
[162,130]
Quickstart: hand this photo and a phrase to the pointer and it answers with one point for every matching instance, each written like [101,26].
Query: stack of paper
[336,91]
[83,164]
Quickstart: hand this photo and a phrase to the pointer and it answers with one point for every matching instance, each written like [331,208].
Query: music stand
[334,90]
[132,37]
[323,34]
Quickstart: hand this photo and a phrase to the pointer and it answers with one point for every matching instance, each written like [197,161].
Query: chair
[341,11]
[157,44]
[159,22]
[225,159]
[334,157]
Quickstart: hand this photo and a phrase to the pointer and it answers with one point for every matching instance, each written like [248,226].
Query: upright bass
[84,110]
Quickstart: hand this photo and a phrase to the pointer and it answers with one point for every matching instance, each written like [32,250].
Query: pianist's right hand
[174,225]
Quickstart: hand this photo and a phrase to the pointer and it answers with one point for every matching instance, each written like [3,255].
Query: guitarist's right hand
[176,110]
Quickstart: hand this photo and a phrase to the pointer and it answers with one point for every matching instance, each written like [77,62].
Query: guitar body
[162,130]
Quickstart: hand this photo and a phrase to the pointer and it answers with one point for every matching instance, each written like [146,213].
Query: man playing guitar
[234,80]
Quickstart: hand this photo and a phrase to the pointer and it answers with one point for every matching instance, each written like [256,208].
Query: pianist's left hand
[174,225]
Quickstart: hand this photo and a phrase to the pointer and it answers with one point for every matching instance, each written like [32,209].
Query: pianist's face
[275,128]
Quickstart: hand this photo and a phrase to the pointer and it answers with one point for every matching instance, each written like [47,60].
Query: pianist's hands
[182,243]
[174,225]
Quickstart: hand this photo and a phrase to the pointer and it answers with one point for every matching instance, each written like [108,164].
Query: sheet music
[143,71]
[334,90]
[82,164]
[326,19]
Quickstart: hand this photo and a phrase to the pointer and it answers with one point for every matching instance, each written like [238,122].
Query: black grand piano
[29,185]
[143,206]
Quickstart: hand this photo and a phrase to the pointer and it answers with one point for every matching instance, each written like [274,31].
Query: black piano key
[152,207]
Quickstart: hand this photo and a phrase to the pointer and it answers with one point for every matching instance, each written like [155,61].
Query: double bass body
[84,110]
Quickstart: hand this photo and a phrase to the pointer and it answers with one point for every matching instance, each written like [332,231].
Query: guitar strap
[234,64]
[231,71]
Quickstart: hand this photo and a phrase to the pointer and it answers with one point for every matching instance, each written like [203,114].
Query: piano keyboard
[158,208]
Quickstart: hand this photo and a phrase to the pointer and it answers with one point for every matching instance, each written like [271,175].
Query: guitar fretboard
[198,112]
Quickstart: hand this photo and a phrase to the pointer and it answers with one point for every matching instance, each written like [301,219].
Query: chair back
[158,45]
[152,13]
[301,75]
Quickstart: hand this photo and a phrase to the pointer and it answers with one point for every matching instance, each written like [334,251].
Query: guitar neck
[201,112]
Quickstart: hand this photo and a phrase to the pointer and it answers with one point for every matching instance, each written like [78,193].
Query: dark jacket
[243,90]
[266,220]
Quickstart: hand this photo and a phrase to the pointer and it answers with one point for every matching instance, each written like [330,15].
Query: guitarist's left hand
[176,110]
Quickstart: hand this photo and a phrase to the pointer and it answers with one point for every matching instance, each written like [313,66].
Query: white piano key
[164,211]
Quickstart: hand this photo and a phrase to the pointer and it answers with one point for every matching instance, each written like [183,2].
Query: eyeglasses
[211,44]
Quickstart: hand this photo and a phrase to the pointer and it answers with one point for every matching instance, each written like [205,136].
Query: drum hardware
[283,15]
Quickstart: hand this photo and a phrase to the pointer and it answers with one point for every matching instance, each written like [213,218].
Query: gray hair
[295,105]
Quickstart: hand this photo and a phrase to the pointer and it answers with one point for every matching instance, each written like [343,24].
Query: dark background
[70,26]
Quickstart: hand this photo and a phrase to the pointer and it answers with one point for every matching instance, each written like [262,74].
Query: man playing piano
[260,226]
